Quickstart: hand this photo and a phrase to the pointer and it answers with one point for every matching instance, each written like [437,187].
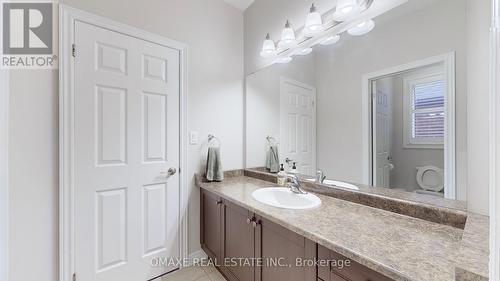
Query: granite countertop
[473,257]
[422,206]
[398,246]
[396,194]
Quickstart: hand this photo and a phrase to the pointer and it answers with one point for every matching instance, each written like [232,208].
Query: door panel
[126,136]
[298,124]
[154,220]
[111,125]
[111,228]
[154,128]
[382,136]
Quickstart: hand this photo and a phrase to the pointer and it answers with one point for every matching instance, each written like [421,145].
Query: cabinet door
[355,272]
[210,218]
[352,272]
[238,238]
[280,250]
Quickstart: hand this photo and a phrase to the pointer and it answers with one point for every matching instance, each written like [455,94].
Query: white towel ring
[211,138]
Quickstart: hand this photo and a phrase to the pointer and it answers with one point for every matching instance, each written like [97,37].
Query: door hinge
[74,277]
[73,50]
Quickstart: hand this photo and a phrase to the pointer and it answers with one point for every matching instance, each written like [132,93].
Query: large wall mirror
[385,109]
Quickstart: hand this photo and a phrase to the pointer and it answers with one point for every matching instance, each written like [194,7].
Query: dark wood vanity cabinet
[353,272]
[284,253]
[238,243]
[211,226]
[233,235]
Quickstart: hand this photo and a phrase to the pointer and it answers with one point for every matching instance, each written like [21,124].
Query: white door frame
[67,18]
[283,80]
[448,60]
[4,174]
[4,168]
[494,267]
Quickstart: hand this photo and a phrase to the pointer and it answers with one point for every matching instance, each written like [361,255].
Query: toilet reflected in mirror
[430,180]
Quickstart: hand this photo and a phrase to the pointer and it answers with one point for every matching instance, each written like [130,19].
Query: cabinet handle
[219,202]
[254,223]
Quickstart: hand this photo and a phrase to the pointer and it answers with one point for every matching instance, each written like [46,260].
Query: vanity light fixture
[287,37]
[346,9]
[330,40]
[361,28]
[284,60]
[348,17]
[268,48]
[304,51]
[314,23]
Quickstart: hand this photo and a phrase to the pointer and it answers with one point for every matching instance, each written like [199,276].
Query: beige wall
[214,32]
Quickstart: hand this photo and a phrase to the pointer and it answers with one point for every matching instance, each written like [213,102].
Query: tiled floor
[194,273]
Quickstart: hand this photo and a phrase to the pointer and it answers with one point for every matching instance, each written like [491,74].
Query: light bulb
[268,47]
[361,28]
[284,60]
[314,23]
[346,9]
[287,37]
[330,40]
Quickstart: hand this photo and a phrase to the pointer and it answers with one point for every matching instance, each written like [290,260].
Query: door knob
[172,171]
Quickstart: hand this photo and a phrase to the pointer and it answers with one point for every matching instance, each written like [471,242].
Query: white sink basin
[283,198]
[338,183]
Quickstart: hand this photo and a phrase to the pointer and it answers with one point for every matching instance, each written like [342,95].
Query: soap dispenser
[282,176]
[294,169]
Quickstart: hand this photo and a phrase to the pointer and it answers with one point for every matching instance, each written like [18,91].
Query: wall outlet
[193,137]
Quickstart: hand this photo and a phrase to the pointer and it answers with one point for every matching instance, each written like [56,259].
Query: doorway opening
[409,129]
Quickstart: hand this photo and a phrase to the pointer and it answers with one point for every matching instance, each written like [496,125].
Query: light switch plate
[193,137]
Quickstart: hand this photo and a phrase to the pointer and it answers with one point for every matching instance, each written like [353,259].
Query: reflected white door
[126,138]
[298,125]
[382,136]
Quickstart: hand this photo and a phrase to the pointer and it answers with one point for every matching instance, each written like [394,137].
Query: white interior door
[382,136]
[298,124]
[126,138]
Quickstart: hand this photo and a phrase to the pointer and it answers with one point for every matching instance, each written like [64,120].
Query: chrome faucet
[294,184]
[320,176]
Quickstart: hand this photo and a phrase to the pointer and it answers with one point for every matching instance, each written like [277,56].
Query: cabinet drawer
[353,272]
[335,277]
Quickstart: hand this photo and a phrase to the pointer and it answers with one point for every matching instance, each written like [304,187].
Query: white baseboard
[200,254]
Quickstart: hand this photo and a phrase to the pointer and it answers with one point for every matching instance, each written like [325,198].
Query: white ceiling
[241,5]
